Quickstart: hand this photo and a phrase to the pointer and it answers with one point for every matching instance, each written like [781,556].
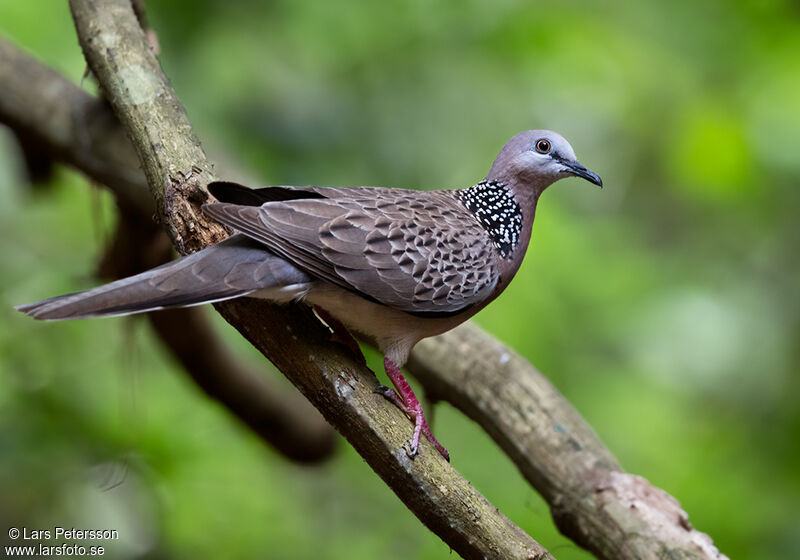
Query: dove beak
[575,168]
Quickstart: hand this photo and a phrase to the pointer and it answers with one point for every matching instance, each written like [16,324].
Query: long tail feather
[236,267]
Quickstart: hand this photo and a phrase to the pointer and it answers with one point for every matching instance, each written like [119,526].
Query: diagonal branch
[593,501]
[177,171]
[73,126]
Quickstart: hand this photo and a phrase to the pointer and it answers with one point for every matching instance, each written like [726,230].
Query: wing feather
[419,252]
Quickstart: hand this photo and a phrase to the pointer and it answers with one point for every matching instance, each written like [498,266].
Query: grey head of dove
[392,266]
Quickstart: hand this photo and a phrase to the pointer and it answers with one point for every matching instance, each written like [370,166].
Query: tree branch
[74,126]
[594,502]
[292,338]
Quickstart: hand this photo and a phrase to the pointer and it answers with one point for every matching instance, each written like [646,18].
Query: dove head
[537,159]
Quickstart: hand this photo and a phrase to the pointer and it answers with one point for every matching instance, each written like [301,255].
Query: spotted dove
[391,265]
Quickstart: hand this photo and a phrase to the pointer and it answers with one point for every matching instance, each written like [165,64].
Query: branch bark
[75,127]
[614,514]
[177,171]
[593,501]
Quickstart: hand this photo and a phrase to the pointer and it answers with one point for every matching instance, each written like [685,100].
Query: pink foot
[407,401]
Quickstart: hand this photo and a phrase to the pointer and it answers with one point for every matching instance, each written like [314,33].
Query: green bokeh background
[665,306]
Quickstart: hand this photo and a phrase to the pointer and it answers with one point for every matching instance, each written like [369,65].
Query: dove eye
[543,146]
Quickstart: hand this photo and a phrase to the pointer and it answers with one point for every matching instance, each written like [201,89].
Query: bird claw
[420,424]
[406,401]
[391,394]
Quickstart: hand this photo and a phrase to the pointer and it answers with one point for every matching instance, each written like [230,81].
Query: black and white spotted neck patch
[494,206]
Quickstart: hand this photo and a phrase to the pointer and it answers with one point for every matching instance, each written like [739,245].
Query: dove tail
[123,297]
[236,267]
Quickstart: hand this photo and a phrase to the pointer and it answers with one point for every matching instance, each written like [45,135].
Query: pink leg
[342,335]
[408,402]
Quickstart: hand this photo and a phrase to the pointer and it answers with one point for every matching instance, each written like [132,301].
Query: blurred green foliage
[665,306]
